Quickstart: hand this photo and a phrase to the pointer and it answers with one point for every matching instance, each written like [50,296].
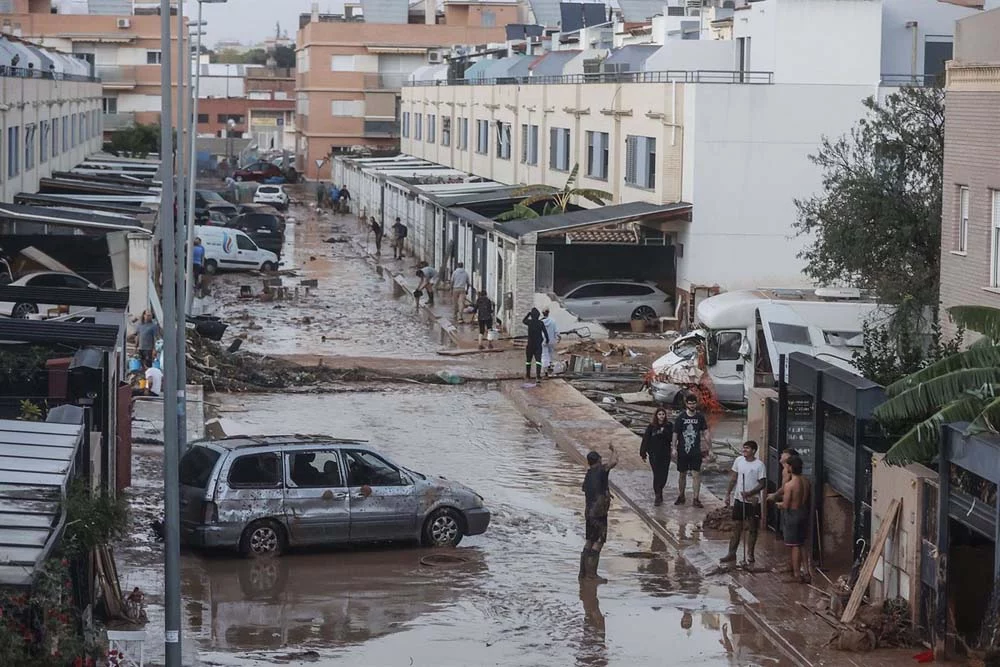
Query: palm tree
[963,387]
[556,201]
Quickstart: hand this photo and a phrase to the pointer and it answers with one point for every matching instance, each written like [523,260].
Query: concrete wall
[976,38]
[746,159]
[901,54]
[694,54]
[34,101]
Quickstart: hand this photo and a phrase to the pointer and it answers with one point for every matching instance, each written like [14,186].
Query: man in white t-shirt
[749,478]
[154,381]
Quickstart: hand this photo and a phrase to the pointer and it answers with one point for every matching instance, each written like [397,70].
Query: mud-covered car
[261,495]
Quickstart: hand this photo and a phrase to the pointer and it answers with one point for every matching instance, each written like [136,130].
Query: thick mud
[514,601]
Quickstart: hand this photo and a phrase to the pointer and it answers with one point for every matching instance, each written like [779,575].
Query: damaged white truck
[740,336]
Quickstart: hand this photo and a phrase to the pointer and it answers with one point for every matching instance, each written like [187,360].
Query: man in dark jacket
[597,492]
[484,315]
[536,336]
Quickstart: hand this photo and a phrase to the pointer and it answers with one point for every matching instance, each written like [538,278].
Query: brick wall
[524,282]
[972,159]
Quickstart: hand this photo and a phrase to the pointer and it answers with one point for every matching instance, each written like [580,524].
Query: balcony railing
[117,75]
[667,76]
[119,121]
[913,80]
[385,81]
[32,73]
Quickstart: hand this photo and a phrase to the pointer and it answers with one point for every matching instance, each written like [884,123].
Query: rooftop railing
[33,73]
[666,76]
[913,80]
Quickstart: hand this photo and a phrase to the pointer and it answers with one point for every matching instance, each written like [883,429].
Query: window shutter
[630,160]
[651,163]
[553,148]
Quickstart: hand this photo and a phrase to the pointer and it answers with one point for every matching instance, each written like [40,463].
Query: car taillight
[209,512]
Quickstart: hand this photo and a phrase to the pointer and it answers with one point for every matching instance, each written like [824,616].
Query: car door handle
[340,496]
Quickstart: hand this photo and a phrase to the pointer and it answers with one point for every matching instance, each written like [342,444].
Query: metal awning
[69,333]
[45,201]
[36,460]
[603,215]
[82,220]
[65,296]
[112,38]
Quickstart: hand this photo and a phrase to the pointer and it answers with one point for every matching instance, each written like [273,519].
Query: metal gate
[838,461]
[544,270]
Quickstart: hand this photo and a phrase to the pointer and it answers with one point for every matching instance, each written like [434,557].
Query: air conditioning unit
[435,57]
[124,23]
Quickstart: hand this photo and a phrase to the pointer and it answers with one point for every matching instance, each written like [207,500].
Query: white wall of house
[32,103]
[746,151]
[694,54]
[903,47]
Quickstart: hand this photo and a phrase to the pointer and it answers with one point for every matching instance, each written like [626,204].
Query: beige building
[349,74]
[124,50]
[970,214]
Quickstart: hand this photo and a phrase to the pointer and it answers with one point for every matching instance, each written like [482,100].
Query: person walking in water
[597,493]
[537,336]
[656,447]
[484,316]
[749,478]
[689,426]
[378,232]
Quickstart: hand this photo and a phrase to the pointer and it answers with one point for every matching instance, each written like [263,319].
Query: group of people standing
[399,234]
[334,197]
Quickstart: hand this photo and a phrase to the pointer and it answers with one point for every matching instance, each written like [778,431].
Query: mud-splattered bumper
[476,521]
[199,535]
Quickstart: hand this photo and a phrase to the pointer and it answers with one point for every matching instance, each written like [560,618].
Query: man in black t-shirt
[597,491]
[691,448]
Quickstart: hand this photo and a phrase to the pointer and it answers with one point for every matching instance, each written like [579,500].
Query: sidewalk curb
[570,446]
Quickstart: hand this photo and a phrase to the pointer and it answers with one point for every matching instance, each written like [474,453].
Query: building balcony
[117,77]
[973,77]
[381,129]
[667,76]
[385,81]
[119,121]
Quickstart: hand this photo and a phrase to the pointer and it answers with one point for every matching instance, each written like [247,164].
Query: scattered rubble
[720,518]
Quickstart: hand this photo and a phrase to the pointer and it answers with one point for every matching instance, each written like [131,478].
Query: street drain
[639,554]
[443,560]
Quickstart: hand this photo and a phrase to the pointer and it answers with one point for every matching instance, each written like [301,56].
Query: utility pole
[171,550]
[183,259]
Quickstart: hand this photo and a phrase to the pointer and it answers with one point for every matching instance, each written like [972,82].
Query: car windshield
[687,347]
[267,189]
[213,197]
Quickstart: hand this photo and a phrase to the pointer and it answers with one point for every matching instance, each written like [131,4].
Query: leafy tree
[553,201]
[960,387]
[138,141]
[877,222]
[888,355]
[284,56]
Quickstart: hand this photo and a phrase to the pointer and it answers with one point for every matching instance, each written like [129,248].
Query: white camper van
[233,250]
[744,333]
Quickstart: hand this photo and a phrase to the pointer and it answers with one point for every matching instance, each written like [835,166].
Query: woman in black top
[656,446]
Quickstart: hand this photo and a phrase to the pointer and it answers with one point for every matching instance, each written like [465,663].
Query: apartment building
[676,124]
[50,117]
[970,213]
[350,69]
[119,38]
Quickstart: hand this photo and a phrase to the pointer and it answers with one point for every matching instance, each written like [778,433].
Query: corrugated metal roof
[587,217]
[53,216]
[36,459]
[633,54]
[65,296]
[553,63]
[47,331]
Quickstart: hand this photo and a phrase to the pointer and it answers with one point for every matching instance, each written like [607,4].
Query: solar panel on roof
[546,12]
[594,13]
[570,16]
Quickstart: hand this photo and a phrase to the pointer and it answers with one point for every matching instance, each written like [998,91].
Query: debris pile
[885,626]
[720,518]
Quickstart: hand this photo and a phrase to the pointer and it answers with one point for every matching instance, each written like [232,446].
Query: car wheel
[268,267]
[21,311]
[643,313]
[263,538]
[443,528]
[211,267]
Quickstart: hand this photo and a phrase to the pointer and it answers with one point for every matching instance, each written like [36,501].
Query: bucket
[492,334]
[638,326]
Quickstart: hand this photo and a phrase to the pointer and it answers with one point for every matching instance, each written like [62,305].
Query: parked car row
[261,221]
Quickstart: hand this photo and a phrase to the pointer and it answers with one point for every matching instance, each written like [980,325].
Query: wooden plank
[868,569]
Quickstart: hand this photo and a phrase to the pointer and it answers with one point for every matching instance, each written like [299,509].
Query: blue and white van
[232,250]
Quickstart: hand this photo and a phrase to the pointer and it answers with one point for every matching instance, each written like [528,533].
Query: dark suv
[263,228]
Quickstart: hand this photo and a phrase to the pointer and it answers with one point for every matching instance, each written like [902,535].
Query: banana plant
[556,201]
[963,387]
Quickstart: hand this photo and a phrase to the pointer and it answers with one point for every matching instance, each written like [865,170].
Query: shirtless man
[795,514]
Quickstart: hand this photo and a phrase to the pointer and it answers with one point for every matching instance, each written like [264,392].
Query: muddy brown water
[514,601]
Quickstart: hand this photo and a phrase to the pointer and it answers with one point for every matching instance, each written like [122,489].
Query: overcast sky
[250,21]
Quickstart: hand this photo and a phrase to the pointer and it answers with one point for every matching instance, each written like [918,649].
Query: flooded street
[516,601]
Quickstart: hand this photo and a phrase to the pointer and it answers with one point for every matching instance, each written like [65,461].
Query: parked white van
[743,333]
[233,250]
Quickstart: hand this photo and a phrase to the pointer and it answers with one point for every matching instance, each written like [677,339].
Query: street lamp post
[182,258]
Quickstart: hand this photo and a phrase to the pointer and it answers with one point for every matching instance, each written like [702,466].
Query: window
[559,148]
[29,146]
[463,134]
[65,133]
[351,108]
[995,252]
[55,137]
[431,128]
[418,126]
[43,143]
[244,242]
[727,345]
[197,465]
[962,243]
[72,131]
[793,334]
[342,63]
[446,131]
[226,117]
[316,469]
[255,471]
[202,118]
[367,469]
[503,140]
[406,124]
[153,57]
[482,137]
[597,155]
[640,161]
[13,151]
[489,19]
[529,144]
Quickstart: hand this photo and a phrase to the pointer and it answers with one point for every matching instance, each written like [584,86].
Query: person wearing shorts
[484,315]
[795,513]
[597,493]
[689,427]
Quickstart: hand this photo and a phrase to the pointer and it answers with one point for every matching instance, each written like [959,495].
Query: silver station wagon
[263,494]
